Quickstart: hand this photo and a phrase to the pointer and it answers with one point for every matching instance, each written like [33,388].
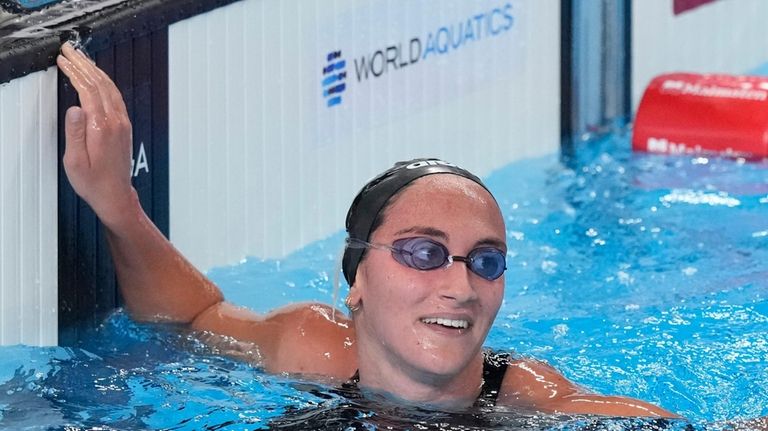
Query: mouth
[446,323]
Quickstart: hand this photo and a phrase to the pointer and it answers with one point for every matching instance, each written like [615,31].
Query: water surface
[639,275]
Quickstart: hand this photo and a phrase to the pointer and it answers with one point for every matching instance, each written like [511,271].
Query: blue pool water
[633,274]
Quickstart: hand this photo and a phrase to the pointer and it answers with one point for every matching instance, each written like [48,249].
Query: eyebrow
[423,230]
[501,245]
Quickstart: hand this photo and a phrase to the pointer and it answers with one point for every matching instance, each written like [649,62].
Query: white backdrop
[28,205]
[260,165]
[719,37]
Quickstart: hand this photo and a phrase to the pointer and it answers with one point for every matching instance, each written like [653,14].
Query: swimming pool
[640,275]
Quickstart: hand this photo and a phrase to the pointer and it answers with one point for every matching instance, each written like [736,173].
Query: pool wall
[256,121]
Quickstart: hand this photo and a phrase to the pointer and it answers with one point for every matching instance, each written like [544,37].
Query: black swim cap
[374,197]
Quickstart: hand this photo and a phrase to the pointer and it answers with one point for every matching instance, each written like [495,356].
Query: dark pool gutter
[28,45]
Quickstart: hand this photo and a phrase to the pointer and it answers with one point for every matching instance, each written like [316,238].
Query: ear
[355,297]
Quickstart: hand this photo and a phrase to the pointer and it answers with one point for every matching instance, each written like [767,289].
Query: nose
[457,283]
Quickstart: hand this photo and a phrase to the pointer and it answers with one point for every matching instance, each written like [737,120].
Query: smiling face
[427,328]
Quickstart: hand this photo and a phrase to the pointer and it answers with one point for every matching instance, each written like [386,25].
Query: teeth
[462,324]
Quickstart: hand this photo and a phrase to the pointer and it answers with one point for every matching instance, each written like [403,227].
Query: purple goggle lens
[425,254]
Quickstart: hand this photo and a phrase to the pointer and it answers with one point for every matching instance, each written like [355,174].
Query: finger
[73,73]
[100,84]
[83,62]
[108,91]
[110,94]
[76,152]
[89,95]
[77,57]
[116,99]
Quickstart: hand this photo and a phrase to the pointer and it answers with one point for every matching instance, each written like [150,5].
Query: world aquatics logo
[434,41]
[443,40]
[334,75]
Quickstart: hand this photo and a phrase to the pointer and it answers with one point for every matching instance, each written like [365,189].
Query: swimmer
[425,260]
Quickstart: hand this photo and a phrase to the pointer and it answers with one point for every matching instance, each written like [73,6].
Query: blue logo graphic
[334,75]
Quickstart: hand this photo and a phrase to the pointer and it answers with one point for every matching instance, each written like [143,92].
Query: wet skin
[388,340]
[401,349]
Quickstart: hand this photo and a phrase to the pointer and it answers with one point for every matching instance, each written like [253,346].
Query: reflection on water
[640,275]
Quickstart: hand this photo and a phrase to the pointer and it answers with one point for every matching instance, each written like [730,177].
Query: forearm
[157,283]
[155,280]
[609,406]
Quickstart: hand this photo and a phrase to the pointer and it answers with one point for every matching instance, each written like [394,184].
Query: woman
[425,261]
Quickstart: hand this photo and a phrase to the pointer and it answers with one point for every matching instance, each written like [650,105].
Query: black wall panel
[87,285]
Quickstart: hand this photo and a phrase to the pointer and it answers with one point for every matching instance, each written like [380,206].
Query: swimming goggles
[426,254]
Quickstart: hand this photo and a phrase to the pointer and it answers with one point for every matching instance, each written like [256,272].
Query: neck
[380,374]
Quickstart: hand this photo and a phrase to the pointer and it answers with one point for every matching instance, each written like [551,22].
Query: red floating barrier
[686,113]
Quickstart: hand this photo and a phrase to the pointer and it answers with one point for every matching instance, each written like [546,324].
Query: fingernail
[74,115]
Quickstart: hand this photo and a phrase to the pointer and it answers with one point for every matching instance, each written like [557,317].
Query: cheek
[389,284]
[378,282]
[391,288]
[493,298]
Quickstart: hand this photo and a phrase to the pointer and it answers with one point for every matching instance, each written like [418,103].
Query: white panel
[29,213]
[234,98]
[255,35]
[28,205]
[48,209]
[10,217]
[260,165]
[719,37]
[215,139]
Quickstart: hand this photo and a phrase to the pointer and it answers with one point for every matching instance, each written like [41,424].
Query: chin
[446,360]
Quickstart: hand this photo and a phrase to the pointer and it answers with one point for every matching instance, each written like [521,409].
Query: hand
[97,158]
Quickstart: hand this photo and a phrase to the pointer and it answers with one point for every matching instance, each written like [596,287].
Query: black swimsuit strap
[494,370]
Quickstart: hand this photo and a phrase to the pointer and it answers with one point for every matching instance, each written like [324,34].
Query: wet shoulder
[315,339]
[533,384]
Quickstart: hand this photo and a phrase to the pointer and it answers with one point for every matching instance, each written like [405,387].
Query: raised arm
[156,281]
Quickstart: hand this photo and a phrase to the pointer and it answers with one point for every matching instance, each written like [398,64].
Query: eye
[428,255]
[488,263]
